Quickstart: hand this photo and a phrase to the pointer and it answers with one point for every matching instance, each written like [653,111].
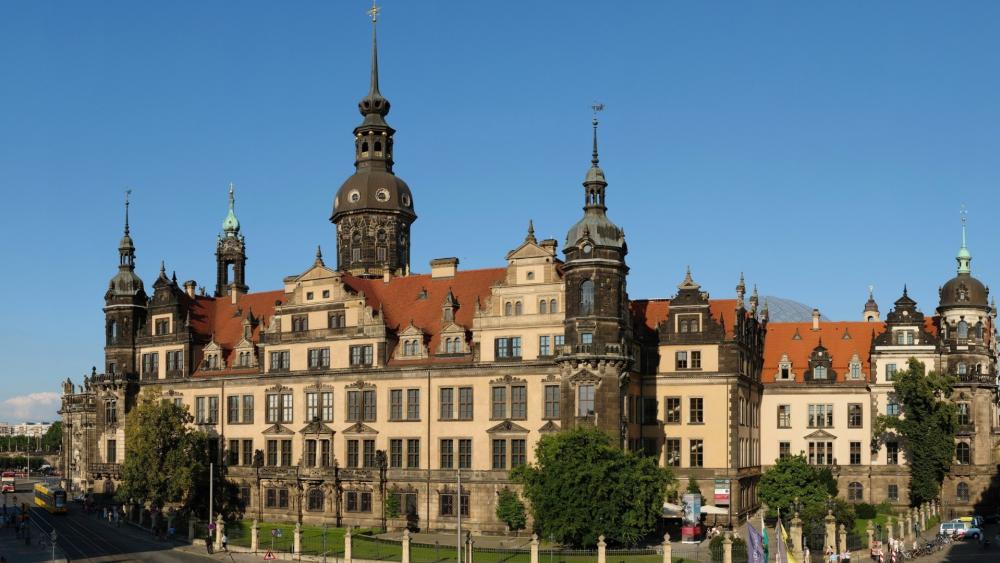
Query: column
[469,547]
[909,526]
[254,537]
[667,549]
[831,532]
[727,548]
[534,548]
[347,545]
[797,537]
[406,546]
[220,525]
[601,550]
[901,523]
[297,540]
[843,539]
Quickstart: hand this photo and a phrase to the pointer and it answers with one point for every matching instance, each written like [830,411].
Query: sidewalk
[14,549]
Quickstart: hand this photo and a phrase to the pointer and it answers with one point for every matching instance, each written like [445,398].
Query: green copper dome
[231,225]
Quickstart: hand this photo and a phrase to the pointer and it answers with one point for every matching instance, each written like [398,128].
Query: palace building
[349,383]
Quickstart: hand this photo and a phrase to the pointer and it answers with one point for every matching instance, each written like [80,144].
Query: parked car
[952,528]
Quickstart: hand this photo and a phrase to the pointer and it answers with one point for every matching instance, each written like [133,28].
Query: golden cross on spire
[373,12]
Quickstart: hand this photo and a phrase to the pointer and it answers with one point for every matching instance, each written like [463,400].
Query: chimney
[815,319]
[549,245]
[189,288]
[444,267]
[234,292]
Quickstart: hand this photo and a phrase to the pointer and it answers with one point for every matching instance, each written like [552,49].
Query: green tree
[165,459]
[693,488]
[392,504]
[581,486]
[510,510]
[53,437]
[927,426]
[793,478]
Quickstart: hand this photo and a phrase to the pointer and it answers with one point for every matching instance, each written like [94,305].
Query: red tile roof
[217,318]
[781,340]
[418,298]
[649,313]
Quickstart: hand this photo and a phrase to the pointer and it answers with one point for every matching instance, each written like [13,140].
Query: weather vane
[374,12]
[128,192]
[597,107]
[964,214]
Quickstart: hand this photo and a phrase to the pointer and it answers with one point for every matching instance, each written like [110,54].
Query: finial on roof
[741,289]
[764,313]
[964,257]
[594,160]
[163,268]
[173,277]
[754,300]
[531,233]
[904,291]
[231,225]
[319,256]
[128,192]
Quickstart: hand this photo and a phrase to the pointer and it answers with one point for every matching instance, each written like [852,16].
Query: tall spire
[126,248]
[127,194]
[231,225]
[374,106]
[595,183]
[964,257]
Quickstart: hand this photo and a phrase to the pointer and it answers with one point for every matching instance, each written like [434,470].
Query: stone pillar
[347,545]
[797,537]
[843,539]
[534,548]
[254,537]
[602,556]
[831,532]
[901,522]
[890,524]
[469,547]
[406,546]
[192,522]
[297,540]
[909,526]
[667,549]
[727,548]
[220,525]
[870,531]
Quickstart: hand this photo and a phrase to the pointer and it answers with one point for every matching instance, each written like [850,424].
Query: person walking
[225,540]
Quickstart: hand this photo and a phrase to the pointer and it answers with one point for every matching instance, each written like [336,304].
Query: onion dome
[231,225]
[963,290]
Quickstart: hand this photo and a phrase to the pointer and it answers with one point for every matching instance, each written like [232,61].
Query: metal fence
[377,549]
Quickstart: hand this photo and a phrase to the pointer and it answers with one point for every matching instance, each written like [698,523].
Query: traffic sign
[268,556]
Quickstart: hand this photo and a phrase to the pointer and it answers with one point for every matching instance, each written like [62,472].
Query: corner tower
[373,209]
[231,251]
[595,362]
[124,308]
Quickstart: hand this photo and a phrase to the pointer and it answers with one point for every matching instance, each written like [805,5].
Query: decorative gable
[411,343]
[212,356]
[317,428]
[453,340]
[359,428]
[278,429]
[507,427]
[549,427]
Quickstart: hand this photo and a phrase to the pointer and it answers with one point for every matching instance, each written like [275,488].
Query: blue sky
[817,146]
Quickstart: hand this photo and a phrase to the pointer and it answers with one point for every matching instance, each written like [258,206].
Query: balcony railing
[982,378]
[111,469]
[966,429]
[308,335]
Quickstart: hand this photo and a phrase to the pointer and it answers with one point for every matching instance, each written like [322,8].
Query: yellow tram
[51,499]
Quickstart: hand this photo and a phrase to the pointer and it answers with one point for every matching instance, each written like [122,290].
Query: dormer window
[819,372]
[690,323]
[904,337]
[411,347]
[453,345]
[300,323]
[161,327]
[785,370]
[855,368]
[211,361]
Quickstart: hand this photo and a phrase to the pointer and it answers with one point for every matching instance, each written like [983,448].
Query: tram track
[88,545]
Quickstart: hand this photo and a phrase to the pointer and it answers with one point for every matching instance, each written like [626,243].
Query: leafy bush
[865,511]
[884,508]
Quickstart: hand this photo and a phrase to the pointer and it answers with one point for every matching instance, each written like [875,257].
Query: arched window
[356,246]
[508,309]
[111,411]
[518,308]
[543,307]
[962,492]
[979,330]
[963,453]
[586,297]
[531,275]
[378,147]
[553,306]
[316,499]
[855,491]
[364,148]
[963,330]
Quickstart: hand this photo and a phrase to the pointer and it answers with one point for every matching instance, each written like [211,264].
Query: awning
[671,510]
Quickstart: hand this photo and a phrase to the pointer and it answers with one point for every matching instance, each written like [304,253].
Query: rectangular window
[892,407]
[551,401]
[112,446]
[784,450]
[324,453]
[271,498]
[507,347]
[892,453]
[280,361]
[151,364]
[518,402]
[413,453]
[855,415]
[395,404]
[696,359]
[199,410]
[282,498]
[821,416]
[465,454]
[273,410]
[821,453]
[673,412]
[368,398]
[351,501]
[697,453]
[234,452]
[368,460]
[784,416]
[558,341]
[272,453]
[312,406]
[310,453]
[585,400]
[286,407]
[890,372]
[544,346]
[162,326]
[361,355]
[300,323]
[248,452]
[319,358]
[696,408]
[893,492]
[361,406]
[672,449]
[681,360]
[447,403]
[963,413]
[855,453]
[245,496]
[247,409]
[395,453]
[447,505]
[498,409]
[352,453]
[465,403]
[213,410]
[447,454]
[327,409]
[413,404]
[175,361]
[286,453]
[499,454]
[518,453]
[353,406]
